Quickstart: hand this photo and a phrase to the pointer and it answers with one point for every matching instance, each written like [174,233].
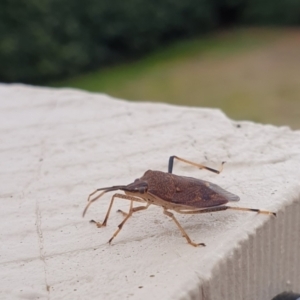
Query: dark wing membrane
[199,196]
[229,196]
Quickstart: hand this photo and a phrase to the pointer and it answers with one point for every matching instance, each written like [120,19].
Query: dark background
[43,40]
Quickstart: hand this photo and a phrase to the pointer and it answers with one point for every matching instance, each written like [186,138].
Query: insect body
[184,195]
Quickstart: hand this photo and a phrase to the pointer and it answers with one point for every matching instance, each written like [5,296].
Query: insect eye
[143,189]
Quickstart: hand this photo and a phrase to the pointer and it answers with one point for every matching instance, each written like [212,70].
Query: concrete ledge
[57,146]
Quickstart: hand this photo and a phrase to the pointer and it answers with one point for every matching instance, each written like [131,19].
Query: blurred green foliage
[46,39]
[272,12]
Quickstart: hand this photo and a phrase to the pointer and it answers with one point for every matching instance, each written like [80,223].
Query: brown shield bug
[184,195]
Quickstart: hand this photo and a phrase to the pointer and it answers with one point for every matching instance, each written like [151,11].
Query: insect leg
[201,211]
[135,209]
[131,211]
[122,196]
[220,208]
[122,212]
[252,209]
[169,214]
[171,161]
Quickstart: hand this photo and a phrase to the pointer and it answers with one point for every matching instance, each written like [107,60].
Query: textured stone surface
[57,146]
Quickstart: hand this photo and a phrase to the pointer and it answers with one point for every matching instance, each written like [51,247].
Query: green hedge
[46,39]
[272,12]
[43,39]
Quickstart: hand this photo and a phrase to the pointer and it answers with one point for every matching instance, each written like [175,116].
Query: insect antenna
[105,190]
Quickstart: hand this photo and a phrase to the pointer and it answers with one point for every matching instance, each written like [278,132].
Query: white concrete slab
[58,145]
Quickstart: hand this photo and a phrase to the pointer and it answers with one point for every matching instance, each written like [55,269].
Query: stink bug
[184,195]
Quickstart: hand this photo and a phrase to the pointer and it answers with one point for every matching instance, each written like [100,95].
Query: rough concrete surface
[58,145]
